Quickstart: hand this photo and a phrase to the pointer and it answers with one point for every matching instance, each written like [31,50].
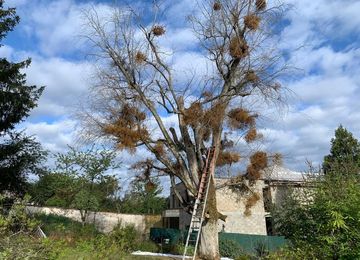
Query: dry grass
[259,160]
[158,30]
[140,57]
[227,158]
[239,118]
[214,116]
[250,202]
[150,186]
[126,127]
[251,76]
[251,135]
[252,21]
[238,48]
[260,5]
[217,6]
[194,114]
[252,173]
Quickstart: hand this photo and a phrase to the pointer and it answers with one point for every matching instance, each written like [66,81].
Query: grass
[62,227]
[141,257]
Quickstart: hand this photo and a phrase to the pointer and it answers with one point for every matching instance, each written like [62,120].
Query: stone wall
[104,221]
[232,204]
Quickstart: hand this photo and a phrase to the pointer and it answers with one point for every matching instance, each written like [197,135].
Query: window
[267,199]
[269,226]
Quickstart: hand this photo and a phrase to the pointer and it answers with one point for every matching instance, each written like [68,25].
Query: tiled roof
[278,173]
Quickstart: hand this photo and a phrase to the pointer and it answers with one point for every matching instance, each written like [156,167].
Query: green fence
[170,235]
[249,243]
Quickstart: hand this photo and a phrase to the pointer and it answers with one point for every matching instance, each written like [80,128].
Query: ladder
[198,213]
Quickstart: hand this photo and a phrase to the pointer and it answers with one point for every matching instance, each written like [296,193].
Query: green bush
[179,249]
[99,247]
[126,237]
[261,249]
[62,227]
[229,248]
[148,246]
[22,246]
[16,219]
[323,223]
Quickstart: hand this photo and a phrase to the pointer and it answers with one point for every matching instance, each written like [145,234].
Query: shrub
[16,219]
[229,248]
[179,249]
[22,246]
[62,227]
[148,246]
[126,237]
[261,249]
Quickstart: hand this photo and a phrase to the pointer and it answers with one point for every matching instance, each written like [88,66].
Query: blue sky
[321,39]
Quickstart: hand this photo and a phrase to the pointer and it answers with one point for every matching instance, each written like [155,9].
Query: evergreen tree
[19,154]
[345,150]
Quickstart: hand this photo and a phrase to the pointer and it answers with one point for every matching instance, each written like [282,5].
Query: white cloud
[53,136]
[57,25]
[327,88]
[66,83]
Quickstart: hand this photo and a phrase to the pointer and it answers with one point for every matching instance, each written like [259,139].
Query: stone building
[242,216]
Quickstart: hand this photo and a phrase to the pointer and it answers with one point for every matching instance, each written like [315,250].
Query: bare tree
[136,86]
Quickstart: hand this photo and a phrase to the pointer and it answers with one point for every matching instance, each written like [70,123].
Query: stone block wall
[104,221]
[232,204]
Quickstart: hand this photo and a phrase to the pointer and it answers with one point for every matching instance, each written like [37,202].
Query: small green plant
[261,249]
[229,248]
[16,219]
[148,246]
[125,236]
[179,249]
[64,228]
[22,246]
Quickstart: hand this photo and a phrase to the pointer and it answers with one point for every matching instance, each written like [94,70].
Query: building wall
[104,221]
[232,204]
[280,191]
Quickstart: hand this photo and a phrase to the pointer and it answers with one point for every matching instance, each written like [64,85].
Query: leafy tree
[138,89]
[15,219]
[345,149]
[80,181]
[324,224]
[19,154]
[144,198]
[53,189]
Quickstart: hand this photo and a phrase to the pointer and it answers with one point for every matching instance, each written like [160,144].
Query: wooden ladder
[198,213]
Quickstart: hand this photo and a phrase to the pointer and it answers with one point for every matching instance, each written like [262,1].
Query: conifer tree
[19,154]
[345,150]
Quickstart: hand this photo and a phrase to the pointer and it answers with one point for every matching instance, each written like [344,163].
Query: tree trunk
[209,242]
